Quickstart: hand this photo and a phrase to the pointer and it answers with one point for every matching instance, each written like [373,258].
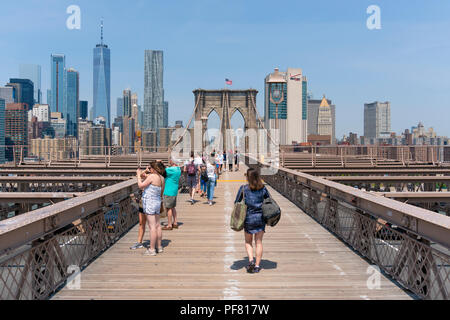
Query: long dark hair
[254,179]
[160,168]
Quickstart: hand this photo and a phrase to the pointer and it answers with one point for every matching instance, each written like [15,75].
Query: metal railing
[41,250]
[410,244]
[74,154]
[371,153]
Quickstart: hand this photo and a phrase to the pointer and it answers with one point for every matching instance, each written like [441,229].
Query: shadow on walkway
[164,243]
[265,264]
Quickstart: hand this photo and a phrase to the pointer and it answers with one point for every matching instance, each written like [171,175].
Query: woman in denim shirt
[255,192]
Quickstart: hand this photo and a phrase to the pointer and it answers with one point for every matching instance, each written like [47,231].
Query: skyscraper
[153,90]
[286,105]
[166,114]
[325,120]
[6,93]
[313,116]
[135,110]
[2,130]
[102,81]
[32,72]
[49,96]
[119,107]
[71,102]
[126,103]
[377,120]
[83,110]
[16,130]
[134,98]
[58,63]
[140,116]
[23,91]
[128,134]
[135,115]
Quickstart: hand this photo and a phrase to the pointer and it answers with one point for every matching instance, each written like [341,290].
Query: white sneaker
[150,252]
[137,246]
[160,250]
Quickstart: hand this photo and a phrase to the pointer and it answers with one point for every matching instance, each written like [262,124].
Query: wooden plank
[205,259]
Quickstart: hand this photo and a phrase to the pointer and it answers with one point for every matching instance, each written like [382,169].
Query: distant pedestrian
[254,193]
[198,161]
[230,160]
[220,162]
[212,177]
[192,174]
[236,160]
[173,173]
[153,187]
[203,179]
[225,167]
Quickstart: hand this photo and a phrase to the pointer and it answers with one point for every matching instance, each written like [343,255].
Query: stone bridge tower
[225,102]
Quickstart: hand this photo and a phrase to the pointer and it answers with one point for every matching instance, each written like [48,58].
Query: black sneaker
[256,269]
[250,267]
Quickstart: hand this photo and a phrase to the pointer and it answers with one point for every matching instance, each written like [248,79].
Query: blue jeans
[210,185]
[203,185]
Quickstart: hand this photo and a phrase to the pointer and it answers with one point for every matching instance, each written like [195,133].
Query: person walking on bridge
[173,173]
[153,187]
[230,160]
[236,160]
[254,194]
[191,170]
[212,173]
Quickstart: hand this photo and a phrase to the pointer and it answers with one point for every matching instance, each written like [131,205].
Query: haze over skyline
[206,41]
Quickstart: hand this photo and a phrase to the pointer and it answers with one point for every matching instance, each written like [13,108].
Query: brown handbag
[162,211]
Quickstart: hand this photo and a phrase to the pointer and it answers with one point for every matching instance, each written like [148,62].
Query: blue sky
[206,41]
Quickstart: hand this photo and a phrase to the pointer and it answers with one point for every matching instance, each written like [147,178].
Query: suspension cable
[261,122]
[187,126]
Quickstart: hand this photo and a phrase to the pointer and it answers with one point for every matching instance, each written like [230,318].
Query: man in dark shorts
[173,173]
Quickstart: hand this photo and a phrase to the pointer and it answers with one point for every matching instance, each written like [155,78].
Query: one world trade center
[102,82]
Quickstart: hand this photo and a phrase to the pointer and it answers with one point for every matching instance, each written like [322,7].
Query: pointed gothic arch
[226,103]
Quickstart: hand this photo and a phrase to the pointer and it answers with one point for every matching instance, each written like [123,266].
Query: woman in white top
[153,187]
[212,172]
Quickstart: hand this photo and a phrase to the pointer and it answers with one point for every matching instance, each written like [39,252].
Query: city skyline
[355,73]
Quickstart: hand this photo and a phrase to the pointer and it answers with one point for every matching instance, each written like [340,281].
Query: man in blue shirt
[173,173]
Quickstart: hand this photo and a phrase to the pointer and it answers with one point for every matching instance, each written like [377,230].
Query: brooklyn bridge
[366,222]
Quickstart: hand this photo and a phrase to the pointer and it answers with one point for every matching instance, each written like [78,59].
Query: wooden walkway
[205,259]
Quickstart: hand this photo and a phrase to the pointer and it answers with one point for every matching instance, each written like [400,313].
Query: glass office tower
[119,107]
[166,114]
[2,130]
[58,63]
[32,72]
[83,109]
[23,91]
[102,81]
[71,102]
[126,103]
[153,91]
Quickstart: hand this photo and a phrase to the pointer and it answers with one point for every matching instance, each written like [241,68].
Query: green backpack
[238,214]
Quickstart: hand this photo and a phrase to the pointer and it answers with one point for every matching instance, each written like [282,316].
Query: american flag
[229,82]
